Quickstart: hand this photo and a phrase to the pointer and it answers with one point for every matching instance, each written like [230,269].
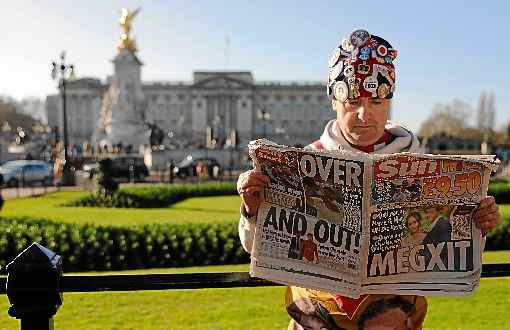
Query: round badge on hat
[393,53]
[370,84]
[383,90]
[336,71]
[359,37]
[382,51]
[348,70]
[346,45]
[340,91]
[334,58]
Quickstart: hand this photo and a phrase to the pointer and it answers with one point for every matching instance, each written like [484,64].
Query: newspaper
[354,223]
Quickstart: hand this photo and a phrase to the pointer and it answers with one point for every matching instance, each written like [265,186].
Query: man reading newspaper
[361,84]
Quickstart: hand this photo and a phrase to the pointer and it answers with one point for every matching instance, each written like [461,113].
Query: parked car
[121,168]
[26,171]
[188,167]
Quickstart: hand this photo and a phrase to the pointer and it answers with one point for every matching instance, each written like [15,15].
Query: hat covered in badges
[362,66]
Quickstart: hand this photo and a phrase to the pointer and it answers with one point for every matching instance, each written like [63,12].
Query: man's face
[362,120]
[432,213]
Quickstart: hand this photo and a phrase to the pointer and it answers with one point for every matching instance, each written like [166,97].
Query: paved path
[10,193]
[82,184]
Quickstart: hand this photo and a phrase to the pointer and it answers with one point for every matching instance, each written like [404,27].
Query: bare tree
[447,118]
[481,114]
[10,112]
[486,115]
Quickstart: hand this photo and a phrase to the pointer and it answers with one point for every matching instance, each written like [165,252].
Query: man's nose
[364,113]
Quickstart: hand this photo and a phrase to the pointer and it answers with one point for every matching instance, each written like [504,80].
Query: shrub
[156,196]
[100,248]
[499,238]
[108,186]
[501,191]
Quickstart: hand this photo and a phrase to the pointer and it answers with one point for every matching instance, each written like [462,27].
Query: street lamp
[264,115]
[61,72]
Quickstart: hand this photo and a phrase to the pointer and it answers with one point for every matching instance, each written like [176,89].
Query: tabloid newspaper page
[353,223]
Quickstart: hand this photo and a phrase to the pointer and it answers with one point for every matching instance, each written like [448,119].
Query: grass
[496,257]
[504,210]
[248,308]
[194,210]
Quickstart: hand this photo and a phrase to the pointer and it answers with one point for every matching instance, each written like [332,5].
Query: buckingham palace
[290,113]
[214,109]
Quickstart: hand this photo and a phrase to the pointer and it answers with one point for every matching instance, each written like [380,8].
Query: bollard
[33,287]
[170,168]
[131,172]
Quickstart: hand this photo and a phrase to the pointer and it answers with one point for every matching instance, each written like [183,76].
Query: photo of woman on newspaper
[415,228]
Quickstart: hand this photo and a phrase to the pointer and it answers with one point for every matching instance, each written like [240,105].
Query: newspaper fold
[353,223]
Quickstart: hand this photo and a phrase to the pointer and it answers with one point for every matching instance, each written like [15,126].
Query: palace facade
[218,102]
[214,109]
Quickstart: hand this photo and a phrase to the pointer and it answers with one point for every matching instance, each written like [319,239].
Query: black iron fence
[35,284]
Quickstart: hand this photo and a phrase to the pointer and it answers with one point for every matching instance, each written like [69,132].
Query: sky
[446,49]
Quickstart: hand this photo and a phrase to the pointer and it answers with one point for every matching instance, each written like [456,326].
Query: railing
[35,283]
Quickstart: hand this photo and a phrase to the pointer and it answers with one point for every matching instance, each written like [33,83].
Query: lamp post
[61,72]
[264,115]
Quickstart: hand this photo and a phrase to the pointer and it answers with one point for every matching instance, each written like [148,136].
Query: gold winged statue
[125,21]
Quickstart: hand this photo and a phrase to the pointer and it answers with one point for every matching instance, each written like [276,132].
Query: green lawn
[504,210]
[194,210]
[202,209]
[247,308]
[496,257]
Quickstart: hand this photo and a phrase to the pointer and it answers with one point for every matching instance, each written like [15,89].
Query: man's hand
[250,187]
[486,216]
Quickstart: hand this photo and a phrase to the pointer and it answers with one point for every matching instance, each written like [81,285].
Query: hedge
[156,196]
[501,191]
[499,238]
[164,195]
[101,248]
